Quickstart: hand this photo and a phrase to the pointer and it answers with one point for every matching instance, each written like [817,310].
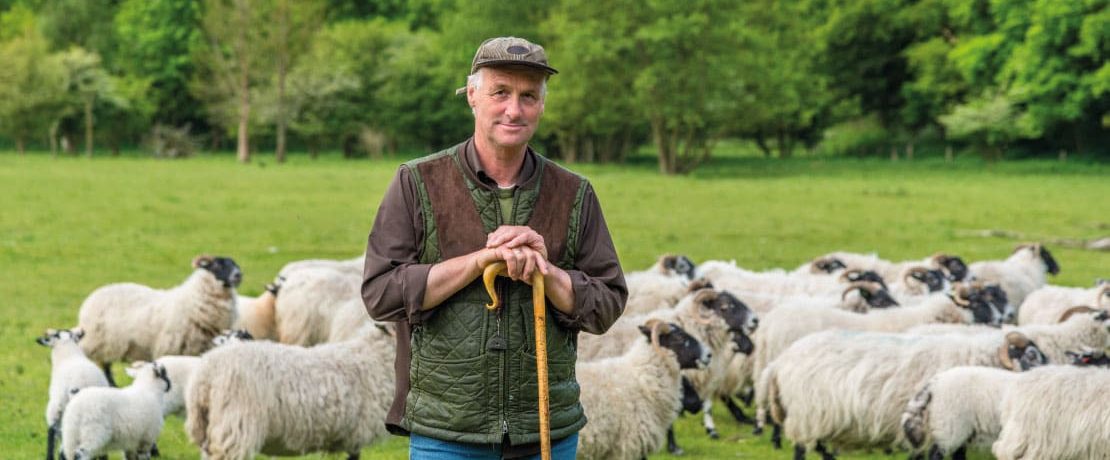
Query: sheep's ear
[202,261]
[78,333]
[644,329]
[43,340]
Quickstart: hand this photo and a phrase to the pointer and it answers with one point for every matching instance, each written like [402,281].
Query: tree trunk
[19,145]
[54,139]
[88,126]
[243,150]
[909,150]
[662,144]
[568,145]
[948,157]
[761,142]
[784,144]
[588,154]
[282,60]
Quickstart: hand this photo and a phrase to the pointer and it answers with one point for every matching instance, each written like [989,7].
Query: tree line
[847,76]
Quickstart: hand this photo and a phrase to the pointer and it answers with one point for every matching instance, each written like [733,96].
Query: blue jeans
[425,448]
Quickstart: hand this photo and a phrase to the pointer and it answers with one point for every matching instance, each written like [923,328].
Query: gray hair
[475,80]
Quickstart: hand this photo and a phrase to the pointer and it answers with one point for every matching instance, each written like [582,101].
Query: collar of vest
[467,156]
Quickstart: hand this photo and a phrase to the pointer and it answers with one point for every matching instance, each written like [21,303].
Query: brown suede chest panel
[551,215]
[460,226]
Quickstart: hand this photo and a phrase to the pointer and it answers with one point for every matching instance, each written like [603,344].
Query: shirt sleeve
[393,280]
[599,288]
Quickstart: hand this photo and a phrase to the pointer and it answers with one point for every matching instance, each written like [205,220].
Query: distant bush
[170,142]
[858,137]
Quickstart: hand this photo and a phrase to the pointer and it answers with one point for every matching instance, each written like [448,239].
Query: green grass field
[70,225]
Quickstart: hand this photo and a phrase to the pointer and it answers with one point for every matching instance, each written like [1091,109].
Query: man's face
[507,107]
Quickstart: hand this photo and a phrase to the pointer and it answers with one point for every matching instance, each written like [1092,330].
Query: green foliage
[991,121]
[32,83]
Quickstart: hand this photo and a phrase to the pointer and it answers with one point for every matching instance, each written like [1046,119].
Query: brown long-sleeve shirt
[394,280]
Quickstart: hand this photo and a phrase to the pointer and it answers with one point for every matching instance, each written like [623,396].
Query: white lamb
[1047,304]
[1056,412]
[133,322]
[631,399]
[256,314]
[70,371]
[848,389]
[99,420]
[180,370]
[309,299]
[728,276]
[956,408]
[276,399]
[1020,274]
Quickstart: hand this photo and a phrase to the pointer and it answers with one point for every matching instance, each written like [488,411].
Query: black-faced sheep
[131,322]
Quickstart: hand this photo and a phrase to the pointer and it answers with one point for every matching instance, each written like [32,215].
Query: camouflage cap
[509,51]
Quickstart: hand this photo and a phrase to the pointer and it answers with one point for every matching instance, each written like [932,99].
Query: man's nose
[513,107]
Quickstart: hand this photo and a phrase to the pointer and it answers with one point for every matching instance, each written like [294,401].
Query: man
[466,376]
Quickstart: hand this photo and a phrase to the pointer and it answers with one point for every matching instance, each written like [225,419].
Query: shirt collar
[523,177]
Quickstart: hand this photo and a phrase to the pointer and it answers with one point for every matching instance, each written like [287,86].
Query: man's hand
[520,262]
[517,236]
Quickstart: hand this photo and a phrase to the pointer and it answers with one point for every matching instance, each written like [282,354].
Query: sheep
[256,314]
[99,420]
[352,266]
[180,370]
[660,286]
[849,389]
[675,265]
[1020,274]
[787,324]
[957,407]
[1089,358]
[276,399]
[868,295]
[305,308]
[631,399]
[1045,305]
[1079,328]
[952,266]
[132,322]
[1057,412]
[919,280]
[727,276]
[70,371]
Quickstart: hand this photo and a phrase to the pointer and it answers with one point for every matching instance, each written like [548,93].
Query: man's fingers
[529,267]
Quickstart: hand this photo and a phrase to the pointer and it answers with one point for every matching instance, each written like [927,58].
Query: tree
[86,81]
[233,60]
[991,122]
[161,39]
[31,82]
[293,27]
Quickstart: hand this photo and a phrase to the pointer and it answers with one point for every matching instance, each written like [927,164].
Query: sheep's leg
[825,454]
[672,445]
[154,450]
[51,437]
[736,411]
[353,455]
[799,452]
[961,453]
[935,453]
[776,435]
[107,367]
[707,419]
[760,419]
[747,396]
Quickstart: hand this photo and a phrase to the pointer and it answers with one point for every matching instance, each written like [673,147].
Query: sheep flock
[847,352]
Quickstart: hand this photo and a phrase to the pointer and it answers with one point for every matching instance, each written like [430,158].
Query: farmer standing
[466,376]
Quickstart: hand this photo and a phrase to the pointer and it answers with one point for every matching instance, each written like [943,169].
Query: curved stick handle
[539,314]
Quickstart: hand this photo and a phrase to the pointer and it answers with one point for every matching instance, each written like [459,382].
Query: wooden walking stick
[539,313]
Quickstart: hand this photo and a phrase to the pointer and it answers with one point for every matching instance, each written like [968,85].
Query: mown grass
[69,225]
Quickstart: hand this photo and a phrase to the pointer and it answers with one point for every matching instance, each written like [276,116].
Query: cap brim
[460,91]
[514,62]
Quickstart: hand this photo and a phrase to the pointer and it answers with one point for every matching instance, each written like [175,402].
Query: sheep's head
[1038,250]
[826,265]
[855,274]
[741,320]
[677,264]
[874,294]
[275,286]
[55,336]
[1102,317]
[223,268]
[953,266]
[973,297]
[1088,358]
[1019,353]
[699,284]
[933,280]
[688,350]
[154,370]
[231,336]
[691,402]
[1104,294]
